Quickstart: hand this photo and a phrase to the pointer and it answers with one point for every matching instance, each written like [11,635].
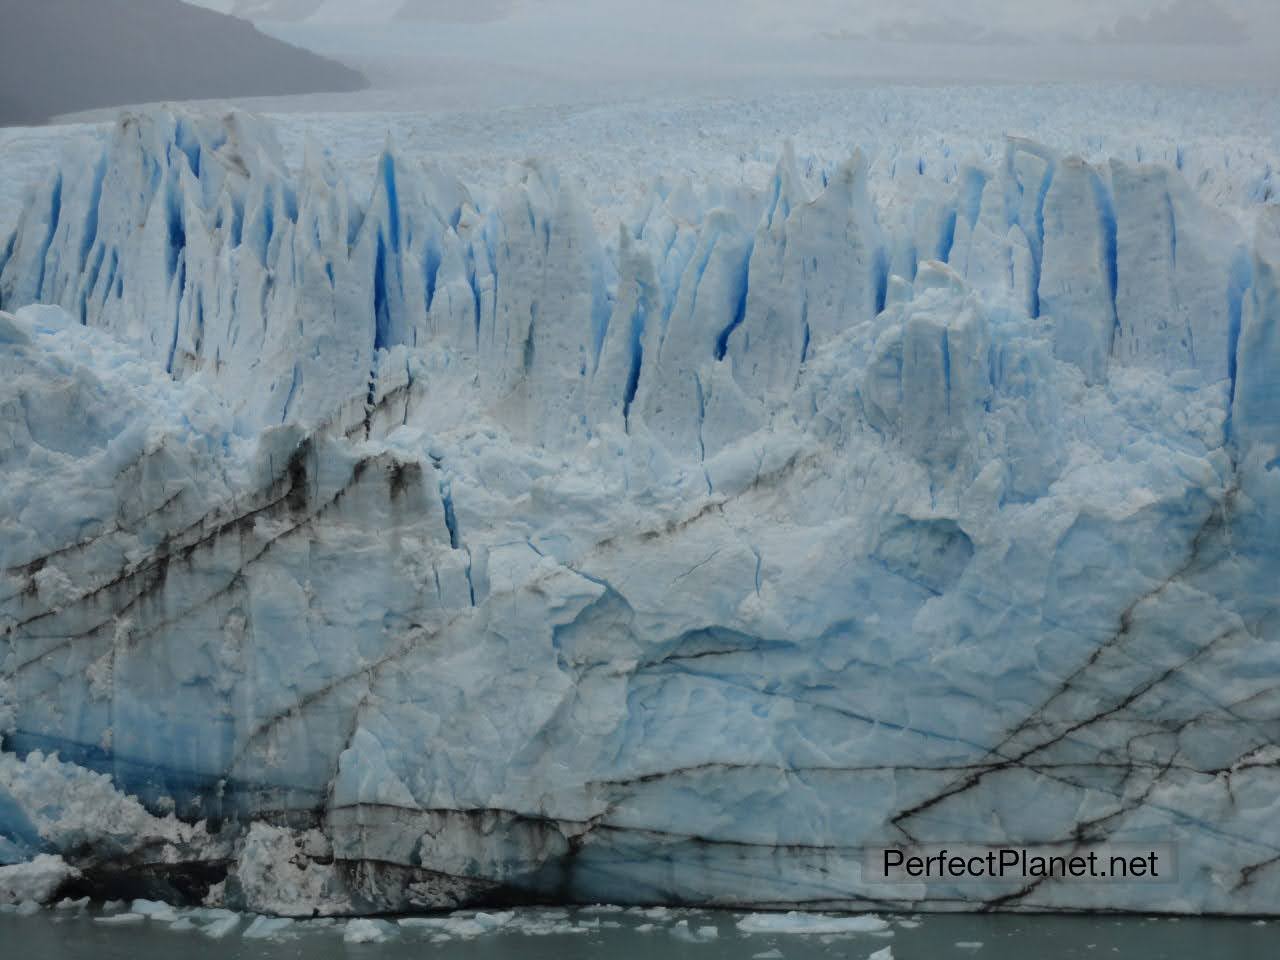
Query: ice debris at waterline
[435,550]
[686,926]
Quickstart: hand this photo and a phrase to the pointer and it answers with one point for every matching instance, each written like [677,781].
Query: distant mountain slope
[60,56]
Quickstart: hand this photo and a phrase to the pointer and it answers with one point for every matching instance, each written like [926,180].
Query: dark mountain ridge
[62,56]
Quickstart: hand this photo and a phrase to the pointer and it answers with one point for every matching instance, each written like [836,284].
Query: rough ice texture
[35,880]
[431,550]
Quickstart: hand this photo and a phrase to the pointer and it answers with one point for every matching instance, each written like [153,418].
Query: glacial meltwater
[551,934]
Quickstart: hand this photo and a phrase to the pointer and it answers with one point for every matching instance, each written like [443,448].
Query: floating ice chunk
[810,923]
[653,913]
[209,914]
[703,934]
[465,926]
[268,928]
[68,904]
[121,919]
[774,954]
[155,909]
[28,907]
[542,923]
[885,954]
[367,931]
[969,944]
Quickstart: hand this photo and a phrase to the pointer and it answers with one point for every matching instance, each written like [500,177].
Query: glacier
[432,547]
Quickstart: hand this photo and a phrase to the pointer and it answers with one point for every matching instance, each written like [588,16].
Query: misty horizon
[461,54]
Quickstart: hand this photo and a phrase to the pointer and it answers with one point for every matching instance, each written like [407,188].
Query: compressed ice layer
[437,550]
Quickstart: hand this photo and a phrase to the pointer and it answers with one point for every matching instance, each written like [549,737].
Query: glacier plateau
[435,549]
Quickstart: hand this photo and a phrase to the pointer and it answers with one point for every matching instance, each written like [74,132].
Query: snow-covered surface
[666,523]
[1225,140]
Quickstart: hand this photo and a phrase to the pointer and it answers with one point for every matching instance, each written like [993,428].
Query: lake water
[632,935]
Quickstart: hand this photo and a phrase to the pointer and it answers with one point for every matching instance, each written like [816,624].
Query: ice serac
[365,554]
[1255,355]
[1076,275]
[930,379]
[817,267]
[1185,270]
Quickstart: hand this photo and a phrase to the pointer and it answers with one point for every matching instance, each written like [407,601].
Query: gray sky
[703,32]
[1039,18]
[1080,18]
[459,54]
[643,42]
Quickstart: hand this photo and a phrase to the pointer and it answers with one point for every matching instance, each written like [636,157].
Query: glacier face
[430,549]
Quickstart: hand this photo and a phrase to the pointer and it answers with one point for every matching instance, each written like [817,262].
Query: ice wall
[448,551]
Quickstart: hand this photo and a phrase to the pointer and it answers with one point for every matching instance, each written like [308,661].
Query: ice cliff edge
[429,549]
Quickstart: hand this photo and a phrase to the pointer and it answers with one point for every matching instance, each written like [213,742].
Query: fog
[805,27]
[465,51]
[463,54]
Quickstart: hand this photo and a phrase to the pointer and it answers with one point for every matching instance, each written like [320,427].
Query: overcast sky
[1081,18]
[695,44]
